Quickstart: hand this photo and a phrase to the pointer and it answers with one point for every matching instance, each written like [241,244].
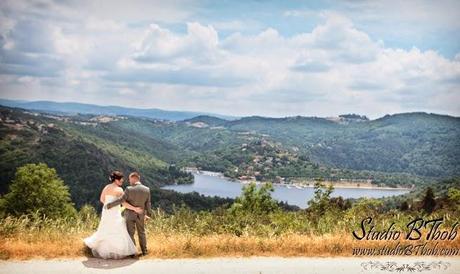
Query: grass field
[196,234]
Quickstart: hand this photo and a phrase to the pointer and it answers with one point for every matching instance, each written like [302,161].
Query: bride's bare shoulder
[110,189]
[107,188]
[118,191]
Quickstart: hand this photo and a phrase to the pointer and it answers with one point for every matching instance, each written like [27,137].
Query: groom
[137,195]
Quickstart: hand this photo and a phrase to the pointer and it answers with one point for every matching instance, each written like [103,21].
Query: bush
[37,188]
[321,201]
[88,213]
[428,202]
[253,200]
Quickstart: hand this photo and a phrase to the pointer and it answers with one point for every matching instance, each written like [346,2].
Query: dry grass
[187,246]
[187,234]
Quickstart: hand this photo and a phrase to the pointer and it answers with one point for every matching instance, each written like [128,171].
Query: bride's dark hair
[116,175]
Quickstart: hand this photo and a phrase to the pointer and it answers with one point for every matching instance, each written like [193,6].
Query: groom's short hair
[135,174]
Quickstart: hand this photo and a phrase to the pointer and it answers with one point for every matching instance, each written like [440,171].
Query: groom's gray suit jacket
[137,195]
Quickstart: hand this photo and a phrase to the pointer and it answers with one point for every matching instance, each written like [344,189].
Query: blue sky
[270,58]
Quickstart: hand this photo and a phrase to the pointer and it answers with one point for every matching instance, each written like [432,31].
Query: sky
[242,58]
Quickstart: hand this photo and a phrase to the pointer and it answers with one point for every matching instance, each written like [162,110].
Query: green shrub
[37,188]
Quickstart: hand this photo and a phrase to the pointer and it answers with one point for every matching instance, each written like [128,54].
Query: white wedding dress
[111,240]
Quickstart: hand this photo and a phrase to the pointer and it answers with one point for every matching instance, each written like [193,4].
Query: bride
[111,240]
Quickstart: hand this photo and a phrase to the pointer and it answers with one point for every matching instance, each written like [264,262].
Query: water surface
[218,186]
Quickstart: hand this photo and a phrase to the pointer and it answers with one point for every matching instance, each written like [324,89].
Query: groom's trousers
[138,224]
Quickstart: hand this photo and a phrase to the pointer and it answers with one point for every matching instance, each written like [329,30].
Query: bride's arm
[133,208]
[102,197]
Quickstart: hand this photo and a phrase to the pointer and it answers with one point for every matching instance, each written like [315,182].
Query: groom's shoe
[145,253]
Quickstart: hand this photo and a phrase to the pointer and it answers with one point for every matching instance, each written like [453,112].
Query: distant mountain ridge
[80,108]
[420,143]
[400,149]
[213,119]
[425,144]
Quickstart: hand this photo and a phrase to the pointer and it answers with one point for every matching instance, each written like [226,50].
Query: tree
[321,201]
[36,187]
[255,200]
[428,202]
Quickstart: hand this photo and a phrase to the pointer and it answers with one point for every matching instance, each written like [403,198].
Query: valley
[397,151]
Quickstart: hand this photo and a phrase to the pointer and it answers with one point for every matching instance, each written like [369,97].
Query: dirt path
[254,265]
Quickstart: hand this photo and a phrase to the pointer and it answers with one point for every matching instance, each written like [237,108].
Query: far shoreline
[297,185]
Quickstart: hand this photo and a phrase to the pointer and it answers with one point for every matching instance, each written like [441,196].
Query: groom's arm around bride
[136,194]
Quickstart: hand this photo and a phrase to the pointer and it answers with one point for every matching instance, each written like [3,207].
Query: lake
[217,186]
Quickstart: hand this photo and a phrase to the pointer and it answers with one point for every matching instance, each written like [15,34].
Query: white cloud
[161,45]
[335,68]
